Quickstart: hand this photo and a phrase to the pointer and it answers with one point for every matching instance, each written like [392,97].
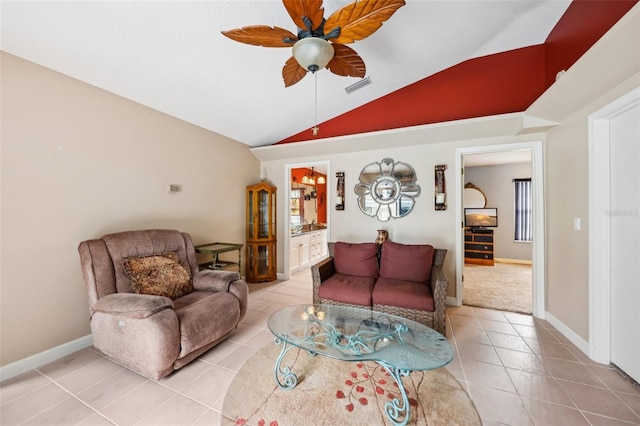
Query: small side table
[215,249]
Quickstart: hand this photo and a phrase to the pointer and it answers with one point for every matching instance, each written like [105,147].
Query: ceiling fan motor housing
[313,53]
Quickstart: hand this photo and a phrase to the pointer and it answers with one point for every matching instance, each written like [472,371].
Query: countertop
[306,229]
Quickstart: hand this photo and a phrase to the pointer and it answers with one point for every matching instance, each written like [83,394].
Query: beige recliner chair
[152,309]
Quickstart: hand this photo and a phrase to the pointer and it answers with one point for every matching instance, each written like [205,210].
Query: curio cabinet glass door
[261,233]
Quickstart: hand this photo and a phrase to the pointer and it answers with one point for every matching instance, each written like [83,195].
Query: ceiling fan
[321,42]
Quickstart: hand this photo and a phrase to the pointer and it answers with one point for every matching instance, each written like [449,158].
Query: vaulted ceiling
[172,57]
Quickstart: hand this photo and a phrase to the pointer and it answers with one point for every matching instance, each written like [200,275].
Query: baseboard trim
[452,301]
[38,360]
[517,261]
[581,344]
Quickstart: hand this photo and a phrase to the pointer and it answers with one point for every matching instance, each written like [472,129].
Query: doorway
[614,234]
[537,244]
[306,213]
[497,260]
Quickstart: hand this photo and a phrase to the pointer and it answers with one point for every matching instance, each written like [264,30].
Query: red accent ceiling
[496,84]
[584,22]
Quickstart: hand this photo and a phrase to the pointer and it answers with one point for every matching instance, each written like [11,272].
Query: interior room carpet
[504,286]
[331,392]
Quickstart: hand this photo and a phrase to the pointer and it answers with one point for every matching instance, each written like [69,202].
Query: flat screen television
[481,218]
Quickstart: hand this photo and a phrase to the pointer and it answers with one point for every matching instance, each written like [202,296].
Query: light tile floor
[517,369]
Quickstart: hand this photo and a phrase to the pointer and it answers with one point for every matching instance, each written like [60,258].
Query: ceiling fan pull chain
[315,128]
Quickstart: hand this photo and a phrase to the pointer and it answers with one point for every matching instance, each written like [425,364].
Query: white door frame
[599,225]
[537,245]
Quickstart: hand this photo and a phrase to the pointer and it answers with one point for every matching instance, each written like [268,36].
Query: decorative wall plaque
[340,191]
[440,195]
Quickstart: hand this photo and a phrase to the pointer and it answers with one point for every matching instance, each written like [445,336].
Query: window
[297,206]
[523,217]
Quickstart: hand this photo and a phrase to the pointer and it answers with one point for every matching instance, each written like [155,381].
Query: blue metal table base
[394,409]
[289,379]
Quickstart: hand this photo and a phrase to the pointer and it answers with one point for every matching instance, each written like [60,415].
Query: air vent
[359,85]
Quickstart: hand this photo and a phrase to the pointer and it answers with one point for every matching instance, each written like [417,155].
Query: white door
[625,240]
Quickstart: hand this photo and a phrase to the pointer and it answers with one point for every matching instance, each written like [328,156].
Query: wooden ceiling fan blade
[360,19]
[261,35]
[346,62]
[312,9]
[292,72]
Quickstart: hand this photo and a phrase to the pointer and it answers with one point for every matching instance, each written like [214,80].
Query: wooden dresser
[478,246]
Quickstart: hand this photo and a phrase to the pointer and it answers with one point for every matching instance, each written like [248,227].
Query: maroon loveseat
[405,280]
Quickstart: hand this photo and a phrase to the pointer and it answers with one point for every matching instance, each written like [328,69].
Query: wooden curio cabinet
[261,233]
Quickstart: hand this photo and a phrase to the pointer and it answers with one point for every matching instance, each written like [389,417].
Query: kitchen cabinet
[307,248]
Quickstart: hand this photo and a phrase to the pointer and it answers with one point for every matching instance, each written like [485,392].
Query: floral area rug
[331,392]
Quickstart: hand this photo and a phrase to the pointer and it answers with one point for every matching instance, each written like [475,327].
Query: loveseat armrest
[131,305]
[320,272]
[439,282]
[439,285]
[216,280]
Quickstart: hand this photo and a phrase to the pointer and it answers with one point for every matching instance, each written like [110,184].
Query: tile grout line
[524,406]
[555,379]
[521,397]
[457,351]
[75,397]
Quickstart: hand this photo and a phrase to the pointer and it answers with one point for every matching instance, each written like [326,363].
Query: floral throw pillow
[160,275]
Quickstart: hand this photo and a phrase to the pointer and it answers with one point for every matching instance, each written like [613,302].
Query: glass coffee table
[399,345]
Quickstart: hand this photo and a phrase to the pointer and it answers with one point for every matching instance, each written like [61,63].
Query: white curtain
[523,209]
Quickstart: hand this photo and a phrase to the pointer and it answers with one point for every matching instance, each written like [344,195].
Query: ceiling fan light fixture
[313,53]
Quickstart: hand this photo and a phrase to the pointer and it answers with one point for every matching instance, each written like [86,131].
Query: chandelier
[311,179]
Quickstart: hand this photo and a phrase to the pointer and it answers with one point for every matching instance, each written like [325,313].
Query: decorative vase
[383,236]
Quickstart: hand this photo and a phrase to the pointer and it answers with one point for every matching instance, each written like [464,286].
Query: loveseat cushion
[406,262]
[352,289]
[403,294]
[205,317]
[360,259]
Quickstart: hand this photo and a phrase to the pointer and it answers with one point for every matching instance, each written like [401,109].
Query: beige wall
[78,162]
[567,197]
[607,71]
[423,225]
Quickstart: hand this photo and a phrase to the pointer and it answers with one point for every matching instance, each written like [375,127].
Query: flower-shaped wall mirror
[387,189]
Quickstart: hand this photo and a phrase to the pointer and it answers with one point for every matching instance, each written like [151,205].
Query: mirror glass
[387,189]
[474,197]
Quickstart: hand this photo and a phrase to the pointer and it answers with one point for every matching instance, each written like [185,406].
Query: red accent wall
[321,191]
[495,84]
